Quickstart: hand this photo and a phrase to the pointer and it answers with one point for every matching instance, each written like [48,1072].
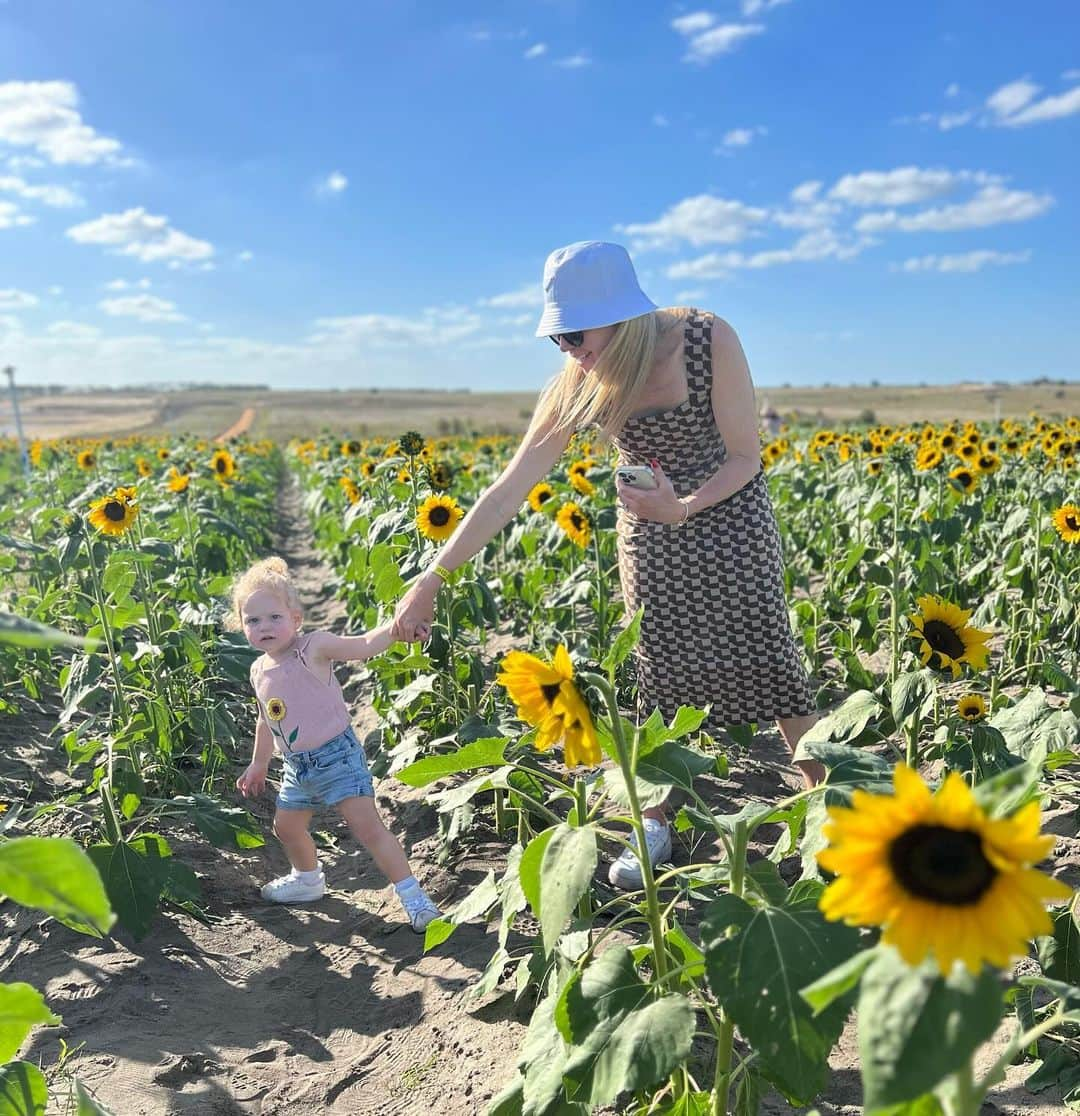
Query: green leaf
[133,883]
[846,723]
[847,765]
[916,1028]
[529,869]
[23,1091]
[88,1105]
[837,982]
[488,752]
[912,692]
[623,1037]
[757,974]
[21,1007]
[54,875]
[29,633]
[624,643]
[566,871]
[1059,952]
[510,1100]
[223,826]
[479,901]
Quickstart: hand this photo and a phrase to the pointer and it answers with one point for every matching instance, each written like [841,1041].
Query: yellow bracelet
[441,572]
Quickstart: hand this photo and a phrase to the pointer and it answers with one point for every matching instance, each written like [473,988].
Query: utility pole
[10,373]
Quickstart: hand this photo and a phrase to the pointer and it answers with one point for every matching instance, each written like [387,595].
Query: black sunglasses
[574,340]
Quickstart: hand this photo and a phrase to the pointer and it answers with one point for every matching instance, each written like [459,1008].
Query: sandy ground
[329,1008]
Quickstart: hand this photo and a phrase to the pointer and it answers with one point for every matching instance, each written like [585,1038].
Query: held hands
[253,780]
[415,612]
[660,504]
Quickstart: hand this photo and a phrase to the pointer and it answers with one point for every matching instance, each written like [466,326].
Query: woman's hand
[660,504]
[415,612]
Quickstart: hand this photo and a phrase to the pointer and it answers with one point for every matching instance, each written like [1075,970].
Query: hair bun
[276,565]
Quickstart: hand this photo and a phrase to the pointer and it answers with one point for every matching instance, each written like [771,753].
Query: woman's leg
[291,829]
[792,730]
[367,827]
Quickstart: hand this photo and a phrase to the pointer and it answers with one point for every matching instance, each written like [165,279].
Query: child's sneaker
[296,887]
[420,909]
[625,873]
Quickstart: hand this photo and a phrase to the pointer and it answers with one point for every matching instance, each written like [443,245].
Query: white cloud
[1011,98]
[806,192]
[660,120]
[992,205]
[432,327]
[145,307]
[1049,108]
[138,233]
[694,23]
[965,262]
[902,186]
[702,219]
[73,331]
[18,163]
[819,244]
[10,216]
[953,90]
[44,115]
[752,7]
[949,120]
[530,295]
[56,291]
[12,299]
[689,298]
[57,196]
[1071,75]
[706,45]
[741,137]
[574,61]
[10,327]
[334,183]
[127,284]
[246,256]
[536,50]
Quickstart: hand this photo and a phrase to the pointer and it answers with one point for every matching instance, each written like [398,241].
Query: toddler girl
[302,708]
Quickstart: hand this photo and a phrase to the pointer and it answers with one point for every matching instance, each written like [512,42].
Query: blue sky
[363,193]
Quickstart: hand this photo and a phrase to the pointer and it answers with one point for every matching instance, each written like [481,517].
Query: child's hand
[253,780]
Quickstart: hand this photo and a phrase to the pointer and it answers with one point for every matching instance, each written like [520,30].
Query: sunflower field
[933,578]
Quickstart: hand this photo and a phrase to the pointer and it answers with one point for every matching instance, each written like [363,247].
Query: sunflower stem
[581,819]
[1035,627]
[725,1039]
[894,584]
[106,626]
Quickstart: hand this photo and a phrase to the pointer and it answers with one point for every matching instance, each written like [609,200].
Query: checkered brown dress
[715,629]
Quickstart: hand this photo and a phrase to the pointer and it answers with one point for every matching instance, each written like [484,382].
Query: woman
[701,551]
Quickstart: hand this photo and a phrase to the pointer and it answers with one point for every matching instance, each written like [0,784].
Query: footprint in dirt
[182,1069]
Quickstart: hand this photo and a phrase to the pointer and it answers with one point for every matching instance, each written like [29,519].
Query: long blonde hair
[605,396]
[268,573]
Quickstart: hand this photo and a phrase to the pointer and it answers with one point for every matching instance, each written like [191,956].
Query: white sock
[312,876]
[407,884]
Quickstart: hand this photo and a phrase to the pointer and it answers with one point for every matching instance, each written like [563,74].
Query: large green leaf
[89,1105]
[23,1091]
[622,1036]
[566,871]
[133,882]
[56,876]
[488,752]
[21,1007]
[1059,952]
[222,825]
[758,973]
[478,902]
[915,1027]
[846,724]
[29,633]
[624,642]
[912,692]
[529,868]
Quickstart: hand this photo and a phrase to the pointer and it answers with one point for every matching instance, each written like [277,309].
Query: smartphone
[637,476]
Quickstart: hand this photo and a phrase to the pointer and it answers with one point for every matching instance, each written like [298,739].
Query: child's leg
[291,829]
[367,827]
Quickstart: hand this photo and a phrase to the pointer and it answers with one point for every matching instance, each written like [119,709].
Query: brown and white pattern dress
[715,629]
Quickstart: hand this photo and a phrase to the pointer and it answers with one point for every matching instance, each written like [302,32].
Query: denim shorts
[326,775]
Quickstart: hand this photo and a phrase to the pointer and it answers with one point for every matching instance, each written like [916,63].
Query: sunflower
[411,443]
[928,457]
[177,481]
[163,454]
[276,709]
[223,464]
[349,487]
[540,495]
[142,466]
[937,874]
[437,517]
[582,484]
[575,523]
[1067,523]
[964,479]
[546,697]
[86,459]
[988,463]
[440,475]
[972,707]
[350,448]
[403,475]
[947,441]
[368,469]
[944,631]
[873,466]
[113,515]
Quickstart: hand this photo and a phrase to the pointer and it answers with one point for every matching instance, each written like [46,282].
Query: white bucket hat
[588,285]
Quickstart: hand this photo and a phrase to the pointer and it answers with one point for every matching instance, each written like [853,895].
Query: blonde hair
[606,395]
[268,573]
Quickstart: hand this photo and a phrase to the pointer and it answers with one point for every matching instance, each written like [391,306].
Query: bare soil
[331,1007]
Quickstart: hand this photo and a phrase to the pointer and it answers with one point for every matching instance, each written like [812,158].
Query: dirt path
[241,426]
[333,1007]
[329,1008]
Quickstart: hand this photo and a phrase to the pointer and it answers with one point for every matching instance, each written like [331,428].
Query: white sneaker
[293,888]
[625,873]
[420,909]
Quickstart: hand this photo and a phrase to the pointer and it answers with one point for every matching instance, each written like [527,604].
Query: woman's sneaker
[419,908]
[625,873]
[296,887]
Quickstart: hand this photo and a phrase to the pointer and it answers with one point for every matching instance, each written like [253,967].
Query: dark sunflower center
[543,496]
[115,511]
[941,865]
[943,639]
[964,477]
[550,692]
[1072,523]
[577,521]
[439,516]
[220,465]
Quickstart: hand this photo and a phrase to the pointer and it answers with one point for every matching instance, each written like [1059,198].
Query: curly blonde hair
[268,573]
